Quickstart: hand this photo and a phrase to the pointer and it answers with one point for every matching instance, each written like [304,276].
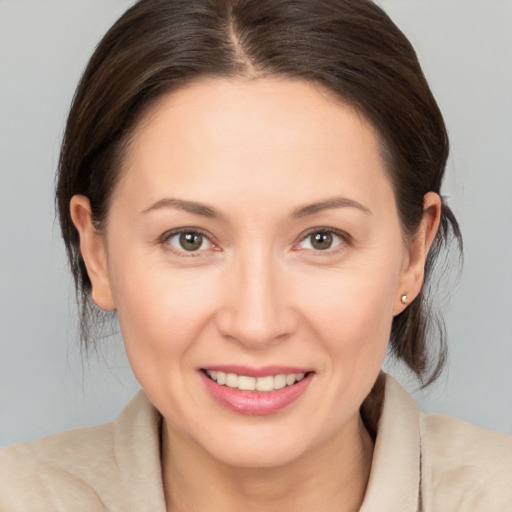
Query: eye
[321,240]
[188,241]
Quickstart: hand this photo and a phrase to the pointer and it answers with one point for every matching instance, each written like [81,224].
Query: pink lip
[255,403]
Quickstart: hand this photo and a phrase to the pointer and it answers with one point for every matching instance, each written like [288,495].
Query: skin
[257,292]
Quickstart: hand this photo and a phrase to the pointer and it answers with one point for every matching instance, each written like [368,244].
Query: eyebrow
[204,210]
[187,206]
[329,204]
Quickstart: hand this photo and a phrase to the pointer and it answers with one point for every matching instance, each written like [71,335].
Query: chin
[251,455]
[258,445]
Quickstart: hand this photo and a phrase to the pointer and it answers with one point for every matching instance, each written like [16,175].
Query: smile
[261,384]
[266,391]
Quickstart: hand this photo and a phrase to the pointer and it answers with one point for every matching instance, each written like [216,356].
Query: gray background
[466,50]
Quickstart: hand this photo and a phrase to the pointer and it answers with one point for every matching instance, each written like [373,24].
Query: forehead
[258,135]
[306,110]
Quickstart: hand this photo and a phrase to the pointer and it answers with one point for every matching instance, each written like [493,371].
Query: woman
[253,188]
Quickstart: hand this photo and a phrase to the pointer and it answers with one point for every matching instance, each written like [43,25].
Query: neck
[333,477]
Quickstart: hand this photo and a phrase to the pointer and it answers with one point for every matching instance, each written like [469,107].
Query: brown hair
[349,46]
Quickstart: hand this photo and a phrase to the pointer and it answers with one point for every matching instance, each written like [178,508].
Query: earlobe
[93,251]
[413,273]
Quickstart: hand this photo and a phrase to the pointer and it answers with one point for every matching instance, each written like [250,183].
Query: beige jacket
[424,463]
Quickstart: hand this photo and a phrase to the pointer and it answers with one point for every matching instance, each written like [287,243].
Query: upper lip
[263,371]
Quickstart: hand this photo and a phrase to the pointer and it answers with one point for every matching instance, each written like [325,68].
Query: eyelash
[164,240]
[345,240]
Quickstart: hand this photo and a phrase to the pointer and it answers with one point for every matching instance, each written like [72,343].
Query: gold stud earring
[404,299]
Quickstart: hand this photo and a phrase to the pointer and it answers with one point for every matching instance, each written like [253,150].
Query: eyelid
[164,241]
[346,239]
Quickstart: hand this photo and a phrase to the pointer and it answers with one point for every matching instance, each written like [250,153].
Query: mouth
[264,384]
[262,393]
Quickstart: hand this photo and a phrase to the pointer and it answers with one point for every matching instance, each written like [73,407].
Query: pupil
[191,241]
[322,241]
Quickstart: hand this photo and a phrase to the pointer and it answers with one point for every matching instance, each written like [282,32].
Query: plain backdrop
[465,47]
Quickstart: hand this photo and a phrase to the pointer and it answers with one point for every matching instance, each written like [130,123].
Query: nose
[256,308]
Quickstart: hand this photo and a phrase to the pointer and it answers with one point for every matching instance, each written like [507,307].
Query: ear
[413,272]
[93,250]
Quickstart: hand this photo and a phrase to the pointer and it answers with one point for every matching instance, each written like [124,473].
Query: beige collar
[395,475]
[137,452]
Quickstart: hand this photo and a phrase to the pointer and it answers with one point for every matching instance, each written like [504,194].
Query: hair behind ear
[418,334]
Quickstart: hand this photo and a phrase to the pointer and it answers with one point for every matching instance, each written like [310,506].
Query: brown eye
[191,241]
[188,241]
[321,241]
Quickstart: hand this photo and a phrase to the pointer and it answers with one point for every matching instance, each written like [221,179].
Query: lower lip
[256,403]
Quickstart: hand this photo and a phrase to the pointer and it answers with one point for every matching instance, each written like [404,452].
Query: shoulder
[90,469]
[445,464]
[70,466]
[464,467]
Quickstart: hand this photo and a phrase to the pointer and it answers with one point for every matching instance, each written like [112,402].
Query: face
[255,258]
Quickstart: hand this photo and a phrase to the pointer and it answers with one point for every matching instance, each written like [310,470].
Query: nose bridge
[257,310]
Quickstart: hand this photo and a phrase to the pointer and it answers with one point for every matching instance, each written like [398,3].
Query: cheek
[161,313]
[352,310]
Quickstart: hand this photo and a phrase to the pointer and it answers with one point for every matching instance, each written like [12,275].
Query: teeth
[263,384]
[280,381]
[232,380]
[246,383]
